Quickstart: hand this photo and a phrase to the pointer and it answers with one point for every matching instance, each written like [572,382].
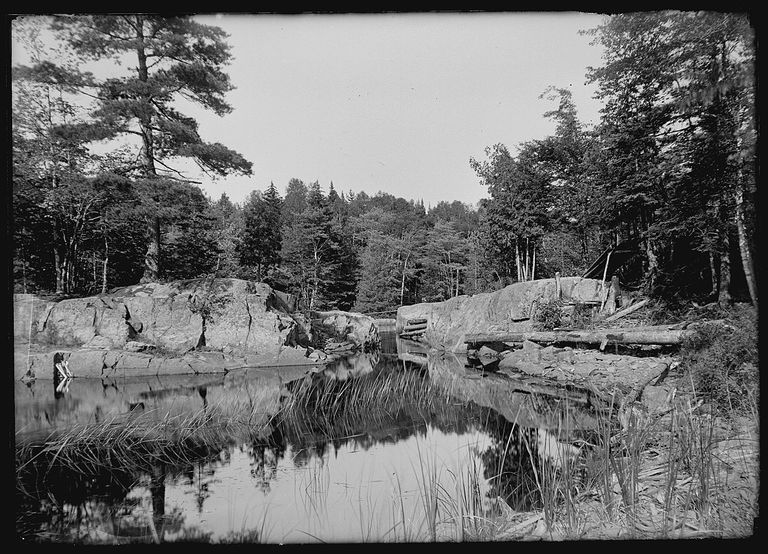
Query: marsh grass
[327,409]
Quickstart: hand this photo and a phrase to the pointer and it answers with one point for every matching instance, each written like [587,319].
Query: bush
[722,359]
[581,317]
[547,315]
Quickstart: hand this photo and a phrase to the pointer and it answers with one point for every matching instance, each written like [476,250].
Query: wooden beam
[627,310]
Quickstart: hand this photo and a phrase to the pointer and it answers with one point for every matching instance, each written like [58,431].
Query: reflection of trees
[508,464]
[517,454]
[85,497]
[266,453]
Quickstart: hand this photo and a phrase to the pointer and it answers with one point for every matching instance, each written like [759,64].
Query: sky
[397,103]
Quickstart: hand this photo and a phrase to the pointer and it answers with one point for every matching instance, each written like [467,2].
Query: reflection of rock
[352,366]
[254,392]
[529,403]
[505,310]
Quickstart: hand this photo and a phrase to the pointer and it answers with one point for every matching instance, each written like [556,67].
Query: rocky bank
[193,326]
[637,374]
[505,310]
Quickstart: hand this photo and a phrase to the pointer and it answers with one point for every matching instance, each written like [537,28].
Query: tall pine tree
[169,58]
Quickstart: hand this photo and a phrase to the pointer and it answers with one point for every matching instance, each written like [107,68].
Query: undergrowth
[722,360]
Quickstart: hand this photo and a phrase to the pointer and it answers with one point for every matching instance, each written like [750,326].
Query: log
[627,310]
[411,334]
[620,336]
[416,321]
[419,327]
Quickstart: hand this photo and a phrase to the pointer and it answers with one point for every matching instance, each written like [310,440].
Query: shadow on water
[161,459]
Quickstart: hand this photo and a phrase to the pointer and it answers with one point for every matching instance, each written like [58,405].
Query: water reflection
[356,467]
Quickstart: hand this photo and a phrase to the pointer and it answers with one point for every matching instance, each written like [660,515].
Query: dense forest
[671,167]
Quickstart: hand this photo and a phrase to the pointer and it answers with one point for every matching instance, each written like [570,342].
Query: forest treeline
[671,166]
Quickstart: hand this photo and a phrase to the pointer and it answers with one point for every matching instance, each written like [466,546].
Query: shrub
[581,317]
[722,359]
[547,315]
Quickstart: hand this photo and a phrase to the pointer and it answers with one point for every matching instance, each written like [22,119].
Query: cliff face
[194,326]
[224,314]
[505,310]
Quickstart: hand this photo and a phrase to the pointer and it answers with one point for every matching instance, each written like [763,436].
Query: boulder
[34,365]
[503,311]
[29,315]
[167,321]
[486,352]
[99,342]
[86,363]
[359,329]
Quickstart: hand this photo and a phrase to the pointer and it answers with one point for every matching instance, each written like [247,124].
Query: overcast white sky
[392,102]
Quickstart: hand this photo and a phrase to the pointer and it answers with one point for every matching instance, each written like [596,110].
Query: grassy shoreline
[689,470]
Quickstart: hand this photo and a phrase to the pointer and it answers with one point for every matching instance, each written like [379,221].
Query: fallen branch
[628,310]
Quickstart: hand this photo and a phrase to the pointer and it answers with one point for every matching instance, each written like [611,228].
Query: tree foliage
[671,164]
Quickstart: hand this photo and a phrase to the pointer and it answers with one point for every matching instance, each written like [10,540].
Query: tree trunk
[533,264]
[713,271]
[517,262]
[724,291]
[525,263]
[457,281]
[71,274]
[746,255]
[104,268]
[402,281]
[653,266]
[152,257]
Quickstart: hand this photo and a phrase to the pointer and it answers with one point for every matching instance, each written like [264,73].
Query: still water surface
[399,475]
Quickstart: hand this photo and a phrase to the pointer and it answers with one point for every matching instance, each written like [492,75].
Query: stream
[373,469]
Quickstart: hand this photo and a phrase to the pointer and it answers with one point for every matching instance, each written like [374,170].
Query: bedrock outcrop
[505,310]
[192,326]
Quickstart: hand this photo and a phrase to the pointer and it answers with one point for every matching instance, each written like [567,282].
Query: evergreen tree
[259,247]
[517,217]
[50,155]
[172,57]
[229,230]
[295,201]
[678,137]
[190,236]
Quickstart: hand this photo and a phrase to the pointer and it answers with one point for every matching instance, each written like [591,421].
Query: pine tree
[174,57]
[259,247]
